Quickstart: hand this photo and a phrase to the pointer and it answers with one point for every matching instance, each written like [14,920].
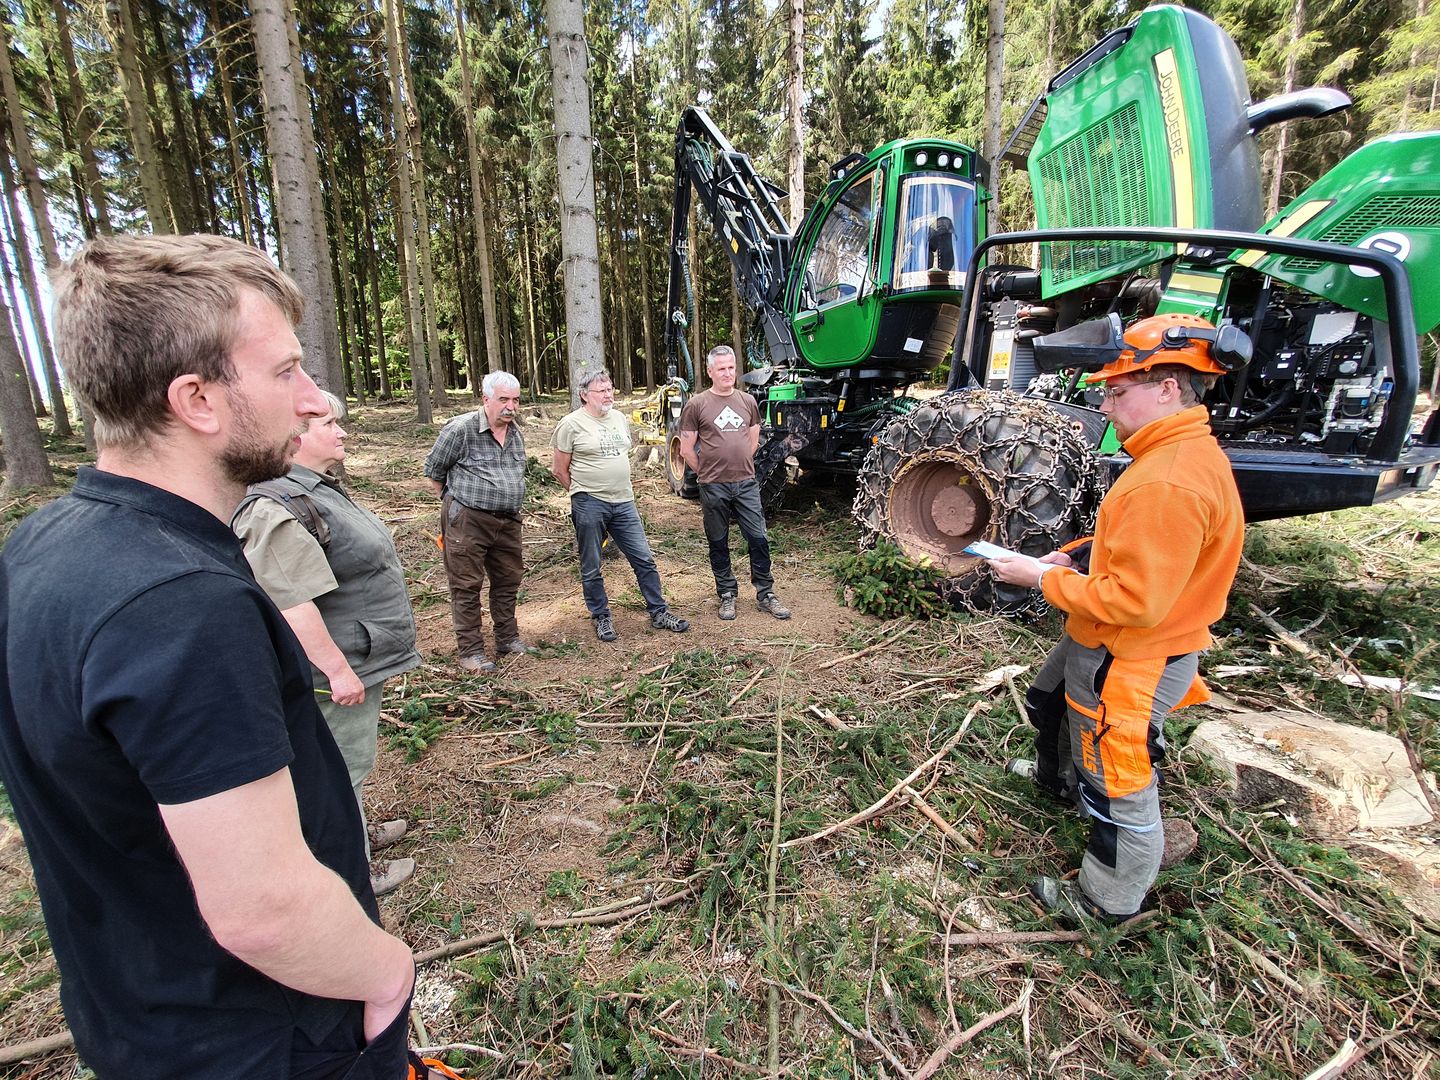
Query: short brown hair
[1194,385]
[134,313]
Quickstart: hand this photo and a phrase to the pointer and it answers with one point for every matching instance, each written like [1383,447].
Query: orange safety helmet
[1177,339]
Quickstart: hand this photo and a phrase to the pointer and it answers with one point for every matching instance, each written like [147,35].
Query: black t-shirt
[141,665]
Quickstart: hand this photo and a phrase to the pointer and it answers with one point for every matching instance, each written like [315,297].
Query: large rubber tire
[680,476]
[978,465]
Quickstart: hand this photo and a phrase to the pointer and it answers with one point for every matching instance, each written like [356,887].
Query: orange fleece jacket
[1167,545]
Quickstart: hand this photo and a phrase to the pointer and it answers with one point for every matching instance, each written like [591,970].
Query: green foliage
[888,584]
[419,727]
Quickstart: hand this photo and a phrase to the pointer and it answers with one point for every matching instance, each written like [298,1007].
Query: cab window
[937,220]
[839,260]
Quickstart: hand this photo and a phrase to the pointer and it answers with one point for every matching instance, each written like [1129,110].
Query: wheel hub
[937,507]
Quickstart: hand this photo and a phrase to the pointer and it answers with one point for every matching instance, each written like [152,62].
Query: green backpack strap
[301,506]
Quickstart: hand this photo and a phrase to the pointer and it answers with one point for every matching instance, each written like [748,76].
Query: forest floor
[601,850]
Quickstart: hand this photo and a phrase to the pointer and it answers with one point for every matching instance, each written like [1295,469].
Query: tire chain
[1007,429]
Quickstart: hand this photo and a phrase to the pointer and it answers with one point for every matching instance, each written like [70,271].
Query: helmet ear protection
[1230,347]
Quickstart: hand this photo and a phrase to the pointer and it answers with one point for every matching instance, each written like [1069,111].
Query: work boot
[605,629]
[514,648]
[1021,767]
[477,665]
[727,608]
[1180,840]
[391,875]
[665,620]
[387,833]
[771,605]
[1068,900]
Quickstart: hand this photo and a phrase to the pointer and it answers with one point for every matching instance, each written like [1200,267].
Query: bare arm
[560,467]
[754,432]
[321,650]
[271,904]
[435,485]
[688,439]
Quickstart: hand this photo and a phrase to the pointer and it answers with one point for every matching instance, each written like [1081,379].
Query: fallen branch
[707,1054]
[463,1048]
[50,1044]
[937,1059]
[1349,1053]
[746,688]
[480,941]
[888,640]
[1354,926]
[847,1027]
[933,815]
[884,802]
[1116,1021]
[1027,937]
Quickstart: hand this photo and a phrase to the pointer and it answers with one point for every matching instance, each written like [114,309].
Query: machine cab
[882,258]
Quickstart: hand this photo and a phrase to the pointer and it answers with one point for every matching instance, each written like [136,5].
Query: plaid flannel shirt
[475,469]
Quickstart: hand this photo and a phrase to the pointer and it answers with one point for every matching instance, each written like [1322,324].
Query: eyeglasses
[1115,393]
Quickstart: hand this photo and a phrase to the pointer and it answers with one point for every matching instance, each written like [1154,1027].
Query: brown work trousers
[479,543]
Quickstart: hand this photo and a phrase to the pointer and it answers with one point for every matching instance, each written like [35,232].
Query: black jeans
[344,1054]
[722,503]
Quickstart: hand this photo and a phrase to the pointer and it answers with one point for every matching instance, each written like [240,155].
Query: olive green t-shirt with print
[599,449]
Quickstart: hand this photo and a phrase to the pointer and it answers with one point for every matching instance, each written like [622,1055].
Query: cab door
[838,303]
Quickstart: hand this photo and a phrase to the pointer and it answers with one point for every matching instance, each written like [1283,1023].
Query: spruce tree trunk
[84,122]
[438,365]
[1282,140]
[482,233]
[305,251]
[574,155]
[30,287]
[795,107]
[184,161]
[642,257]
[137,117]
[12,301]
[239,171]
[994,87]
[25,463]
[405,202]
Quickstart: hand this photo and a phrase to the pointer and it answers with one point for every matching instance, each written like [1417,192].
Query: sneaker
[605,629]
[514,648]
[666,620]
[478,665]
[391,875]
[387,833]
[1181,839]
[1068,900]
[1021,767]
[727,608]
[770,603]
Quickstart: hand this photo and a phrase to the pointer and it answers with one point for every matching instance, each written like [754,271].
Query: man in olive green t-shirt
[592,462]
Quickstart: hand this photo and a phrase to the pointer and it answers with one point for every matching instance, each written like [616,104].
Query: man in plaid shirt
[477,467]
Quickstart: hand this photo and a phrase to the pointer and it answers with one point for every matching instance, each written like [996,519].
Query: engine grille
[1379,212]
[1096,179]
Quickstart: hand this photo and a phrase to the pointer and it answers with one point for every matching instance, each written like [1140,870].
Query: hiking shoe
[477,665]
[771,605]
[1180,840]
[727,608]
[605,629]
[666,620]
[514,648]
[1068,900]
[387,833]
[391,875]
[1021,767]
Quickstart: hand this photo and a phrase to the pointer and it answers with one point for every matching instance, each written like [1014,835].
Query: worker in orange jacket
[1140,596]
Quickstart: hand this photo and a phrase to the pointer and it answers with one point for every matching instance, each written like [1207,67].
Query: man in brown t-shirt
[719,433]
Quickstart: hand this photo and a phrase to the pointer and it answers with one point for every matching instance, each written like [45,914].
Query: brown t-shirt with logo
[724,425]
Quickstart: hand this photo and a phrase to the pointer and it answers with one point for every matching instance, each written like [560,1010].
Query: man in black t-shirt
[196,843]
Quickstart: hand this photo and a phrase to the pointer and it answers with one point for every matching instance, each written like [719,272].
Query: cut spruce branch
[33,1048]
[888,801]
[481,941]
[936,1061]
[1030,937]
[858,1034]
[884,642]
